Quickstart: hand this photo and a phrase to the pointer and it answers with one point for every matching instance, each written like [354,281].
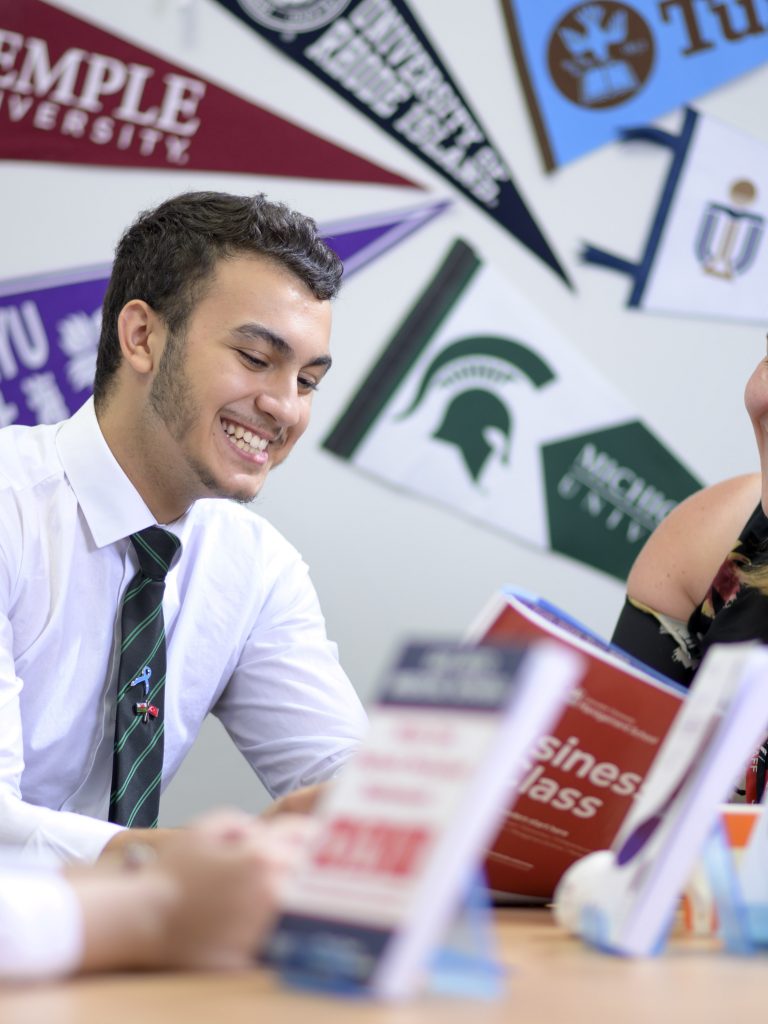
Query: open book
[584,773]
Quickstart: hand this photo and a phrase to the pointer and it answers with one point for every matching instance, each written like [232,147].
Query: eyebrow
[258,332]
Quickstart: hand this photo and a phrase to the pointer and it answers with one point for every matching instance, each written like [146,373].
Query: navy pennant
[374,54]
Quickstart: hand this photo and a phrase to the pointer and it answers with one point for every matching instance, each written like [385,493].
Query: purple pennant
[359,240]
[50,323]
[49,333]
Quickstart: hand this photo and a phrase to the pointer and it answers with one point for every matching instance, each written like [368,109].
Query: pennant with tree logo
[480,404]
[707,251]
[72,93]
[375,55]
[590,69]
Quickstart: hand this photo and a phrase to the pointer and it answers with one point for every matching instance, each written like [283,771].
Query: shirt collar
[110,503]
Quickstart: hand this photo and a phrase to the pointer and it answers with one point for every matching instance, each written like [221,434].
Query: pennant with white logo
[479,403]
[375,55]
[590,69]
[49,334]
[707,254]
[73,93]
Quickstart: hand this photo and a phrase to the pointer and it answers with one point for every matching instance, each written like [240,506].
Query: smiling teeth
[244,439]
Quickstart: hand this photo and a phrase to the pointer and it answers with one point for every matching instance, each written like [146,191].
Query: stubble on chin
[216,489]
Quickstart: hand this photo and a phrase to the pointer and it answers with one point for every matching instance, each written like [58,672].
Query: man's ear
[141,336]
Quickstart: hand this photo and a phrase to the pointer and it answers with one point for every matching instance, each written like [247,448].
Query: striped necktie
[138,754]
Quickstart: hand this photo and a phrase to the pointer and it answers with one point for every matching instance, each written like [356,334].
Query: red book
[582,777]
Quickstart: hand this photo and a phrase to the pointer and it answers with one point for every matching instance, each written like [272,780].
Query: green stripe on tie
[140,685]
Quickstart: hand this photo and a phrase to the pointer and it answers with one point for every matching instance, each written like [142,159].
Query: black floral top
[731,611]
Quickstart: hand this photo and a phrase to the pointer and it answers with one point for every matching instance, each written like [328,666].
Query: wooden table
[552,979]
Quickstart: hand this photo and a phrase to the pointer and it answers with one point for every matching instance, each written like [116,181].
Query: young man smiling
[215,336]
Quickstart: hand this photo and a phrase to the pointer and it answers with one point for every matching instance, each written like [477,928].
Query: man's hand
[204,897]
[300,801]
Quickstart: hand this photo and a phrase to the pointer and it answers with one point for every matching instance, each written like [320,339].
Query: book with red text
[582,775]
[404,828]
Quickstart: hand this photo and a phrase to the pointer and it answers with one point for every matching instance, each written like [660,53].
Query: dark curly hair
[168,255]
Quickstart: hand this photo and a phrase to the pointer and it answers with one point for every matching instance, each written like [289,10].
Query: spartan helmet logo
[468,423]
[478,420]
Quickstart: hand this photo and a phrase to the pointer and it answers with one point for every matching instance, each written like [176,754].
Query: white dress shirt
[245,640]
[41,924]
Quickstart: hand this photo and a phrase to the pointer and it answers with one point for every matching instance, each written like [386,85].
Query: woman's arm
[675,568]
[674,571]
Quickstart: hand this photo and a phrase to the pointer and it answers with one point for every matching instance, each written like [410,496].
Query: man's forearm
[153,838]
[70,837]
[123,919]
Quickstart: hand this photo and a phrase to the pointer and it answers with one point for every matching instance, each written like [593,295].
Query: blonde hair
[755,576]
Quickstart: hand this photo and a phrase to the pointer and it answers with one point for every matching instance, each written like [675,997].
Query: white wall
[388,565]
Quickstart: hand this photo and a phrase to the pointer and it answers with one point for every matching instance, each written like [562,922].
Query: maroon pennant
[73,93]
